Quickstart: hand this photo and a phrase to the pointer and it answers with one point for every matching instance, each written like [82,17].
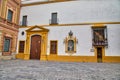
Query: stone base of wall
[7,57]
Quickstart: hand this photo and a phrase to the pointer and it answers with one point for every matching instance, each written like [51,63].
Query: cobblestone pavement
[43,70]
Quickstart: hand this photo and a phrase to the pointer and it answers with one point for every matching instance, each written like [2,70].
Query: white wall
[60,32]
[113,40]
[77,12]
[74,12]
[82,33]
[84,36]
[21,37]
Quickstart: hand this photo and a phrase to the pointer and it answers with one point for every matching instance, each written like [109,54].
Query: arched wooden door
[35,50]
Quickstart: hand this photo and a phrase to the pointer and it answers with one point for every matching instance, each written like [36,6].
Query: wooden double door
[35,50]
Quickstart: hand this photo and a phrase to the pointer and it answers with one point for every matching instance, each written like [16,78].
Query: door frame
[103,52]
[31,45]
[43,32]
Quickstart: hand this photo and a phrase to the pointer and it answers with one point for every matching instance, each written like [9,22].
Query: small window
[24,20]
[21,46]
[10,15]
[54,18]
[53,47]
[6,45]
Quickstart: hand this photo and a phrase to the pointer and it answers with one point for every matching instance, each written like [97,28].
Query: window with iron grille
[99,36]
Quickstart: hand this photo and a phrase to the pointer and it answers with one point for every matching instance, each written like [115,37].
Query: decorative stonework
[9,29]
[70,43]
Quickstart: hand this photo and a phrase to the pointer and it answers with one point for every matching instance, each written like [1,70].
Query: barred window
[99,36]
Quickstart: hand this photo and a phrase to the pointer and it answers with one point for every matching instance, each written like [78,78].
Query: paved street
[40,70]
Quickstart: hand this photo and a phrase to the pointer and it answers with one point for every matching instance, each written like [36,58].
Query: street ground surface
[48,70]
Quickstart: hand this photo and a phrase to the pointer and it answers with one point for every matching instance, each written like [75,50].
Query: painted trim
[45,2]
[18,15]
[71,58]
[20,56]
[13,16]
[42,29]
[3,11]
[66,40]
[111,59]
[75,24]
[1,4]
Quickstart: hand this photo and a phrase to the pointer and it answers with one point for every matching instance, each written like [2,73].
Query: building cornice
[45,2]
[9,25]
[75,24]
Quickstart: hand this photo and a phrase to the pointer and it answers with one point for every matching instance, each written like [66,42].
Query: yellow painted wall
[71,58]
[20,56]
[111,59]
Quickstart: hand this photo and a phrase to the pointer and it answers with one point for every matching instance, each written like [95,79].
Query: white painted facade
[71,12]
[113,40]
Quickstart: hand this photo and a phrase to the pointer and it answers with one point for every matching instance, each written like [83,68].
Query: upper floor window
[10,15]
[54,19]
[24,20]
[99,36]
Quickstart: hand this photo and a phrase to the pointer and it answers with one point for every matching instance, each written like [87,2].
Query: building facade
[9,20]
[70,30]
